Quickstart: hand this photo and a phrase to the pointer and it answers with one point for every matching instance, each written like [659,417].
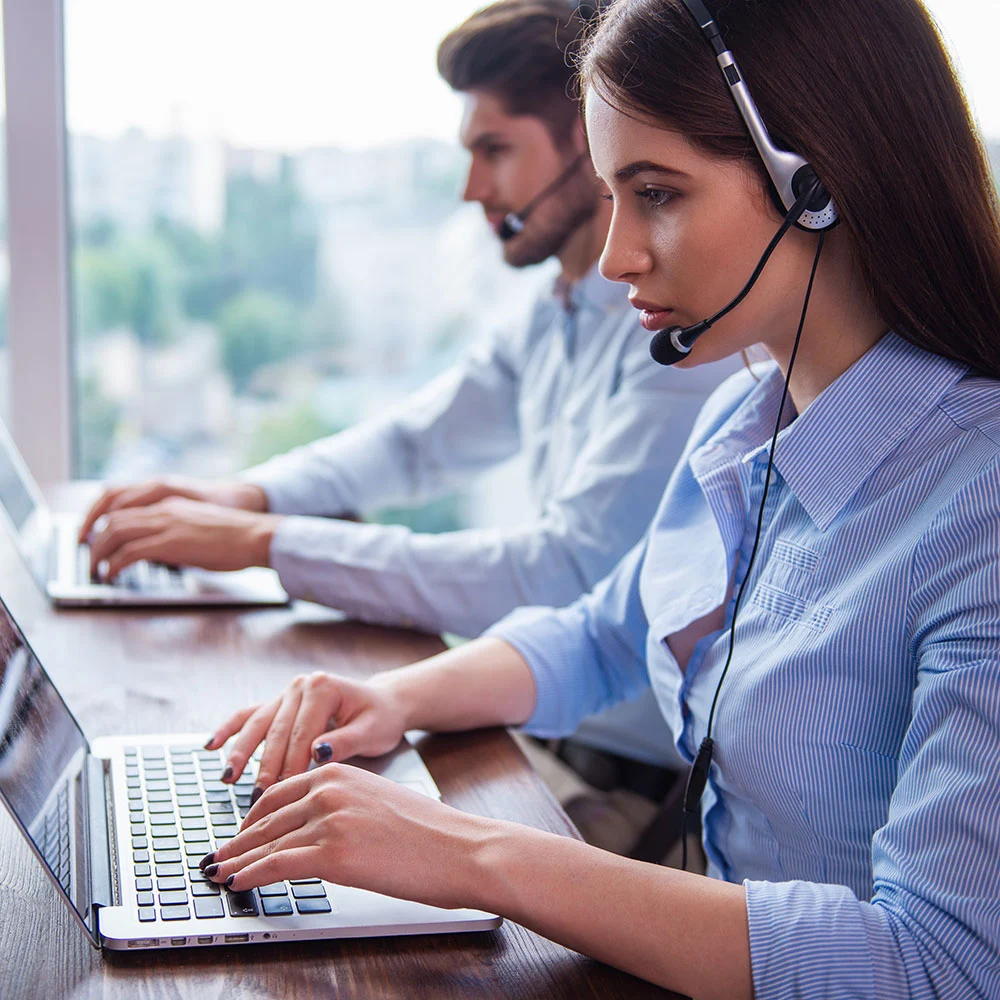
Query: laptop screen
[42,755]
[14,494]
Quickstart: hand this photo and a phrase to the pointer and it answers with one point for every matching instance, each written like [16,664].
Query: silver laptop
[61,566]
[121,824]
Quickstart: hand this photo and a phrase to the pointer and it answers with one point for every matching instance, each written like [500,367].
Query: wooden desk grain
[136,671]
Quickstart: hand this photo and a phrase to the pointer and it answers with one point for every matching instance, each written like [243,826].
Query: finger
[133,552]
[286,827]
[279,796]
[119,530]
[321,700]
[139,496]
[232,725]
[249,738]
[353,740]
[97,510]
[286,863]
[278,735]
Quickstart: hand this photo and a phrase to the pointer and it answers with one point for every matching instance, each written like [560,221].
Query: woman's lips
[655,320]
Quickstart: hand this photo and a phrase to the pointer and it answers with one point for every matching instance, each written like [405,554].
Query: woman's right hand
[318,717]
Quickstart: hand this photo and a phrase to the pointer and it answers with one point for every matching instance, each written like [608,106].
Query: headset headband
[790,173]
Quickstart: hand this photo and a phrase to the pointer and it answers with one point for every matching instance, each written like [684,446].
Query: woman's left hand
[346,825]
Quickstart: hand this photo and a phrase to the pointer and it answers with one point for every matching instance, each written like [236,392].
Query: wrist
[262,530]
[247,496]
[398,687]
[493,850]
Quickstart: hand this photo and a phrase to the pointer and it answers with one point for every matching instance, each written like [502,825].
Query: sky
[305,73]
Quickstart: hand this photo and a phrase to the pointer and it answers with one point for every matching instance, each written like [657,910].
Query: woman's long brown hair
[866,92]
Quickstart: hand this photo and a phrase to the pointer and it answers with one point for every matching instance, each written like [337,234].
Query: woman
[851,815]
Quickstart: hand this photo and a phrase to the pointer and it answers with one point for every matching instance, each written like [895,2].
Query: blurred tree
[132,284]
[96,429]
[270,235]
[255,329]
[296,426]
[434,517]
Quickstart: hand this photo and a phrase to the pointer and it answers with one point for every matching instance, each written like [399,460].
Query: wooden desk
[184,671]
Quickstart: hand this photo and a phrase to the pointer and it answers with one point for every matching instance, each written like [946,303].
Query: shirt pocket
[787,587]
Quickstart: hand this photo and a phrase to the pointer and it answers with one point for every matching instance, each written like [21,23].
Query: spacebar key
[242,904]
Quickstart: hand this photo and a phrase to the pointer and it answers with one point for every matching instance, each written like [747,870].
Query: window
[4,258]
[267,239]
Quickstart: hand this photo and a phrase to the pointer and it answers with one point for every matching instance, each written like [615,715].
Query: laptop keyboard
[179,810]
[140,576]
[53,837]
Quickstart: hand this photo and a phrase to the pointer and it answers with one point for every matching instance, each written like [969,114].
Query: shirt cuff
[544,638]
[293,557]
[283,497]
[809,940]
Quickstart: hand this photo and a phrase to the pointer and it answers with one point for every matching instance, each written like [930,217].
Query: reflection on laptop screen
[42,752]
[14,494]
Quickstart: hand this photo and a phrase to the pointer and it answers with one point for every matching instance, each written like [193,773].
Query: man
[576,391]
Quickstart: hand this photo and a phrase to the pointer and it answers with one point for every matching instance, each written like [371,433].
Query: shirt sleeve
[585,657]
[932,926]
[462,422]
[464,581]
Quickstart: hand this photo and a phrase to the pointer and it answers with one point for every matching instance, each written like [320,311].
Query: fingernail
[208,745]
[230,880]
[256,794]
[322,752]
[228,773]
[211,870]
[207,860]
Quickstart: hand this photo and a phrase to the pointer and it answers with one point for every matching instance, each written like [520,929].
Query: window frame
[39,330]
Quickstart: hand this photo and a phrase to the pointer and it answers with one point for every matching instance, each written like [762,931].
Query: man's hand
[242,496]
[182,532]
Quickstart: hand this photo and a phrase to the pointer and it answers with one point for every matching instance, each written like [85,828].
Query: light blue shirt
[856,784]
[602,427]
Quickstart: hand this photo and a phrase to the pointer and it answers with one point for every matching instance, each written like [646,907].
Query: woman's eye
[655,197]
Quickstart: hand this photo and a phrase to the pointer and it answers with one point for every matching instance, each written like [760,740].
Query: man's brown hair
[516,50]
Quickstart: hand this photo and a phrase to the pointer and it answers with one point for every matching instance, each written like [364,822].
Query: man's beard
[543,238]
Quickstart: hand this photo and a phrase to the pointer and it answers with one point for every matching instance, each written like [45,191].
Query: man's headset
[514,222]
[798,189]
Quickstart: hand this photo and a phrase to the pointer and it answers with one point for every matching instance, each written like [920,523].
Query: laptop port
[206,939]
[178,941]
[237,938]
[144,942]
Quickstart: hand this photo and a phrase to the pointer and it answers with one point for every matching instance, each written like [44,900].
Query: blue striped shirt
[856,785]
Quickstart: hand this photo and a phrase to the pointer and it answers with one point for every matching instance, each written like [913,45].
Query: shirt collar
[592,291]
[854,424]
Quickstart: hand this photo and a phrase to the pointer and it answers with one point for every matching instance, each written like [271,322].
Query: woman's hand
[319,717]
[349,826]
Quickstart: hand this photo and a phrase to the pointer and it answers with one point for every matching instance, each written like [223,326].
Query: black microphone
[513,222]
[674,344]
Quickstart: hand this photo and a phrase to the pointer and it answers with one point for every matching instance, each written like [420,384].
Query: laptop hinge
[99,802]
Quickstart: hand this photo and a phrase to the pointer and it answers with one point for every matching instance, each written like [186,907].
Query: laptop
[48,542]
[119,826]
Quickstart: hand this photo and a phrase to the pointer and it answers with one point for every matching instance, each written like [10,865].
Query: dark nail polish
[230,880]
[211,870]
[208,744]
[228,773]
[323,752]
[207,860]
[256,794]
